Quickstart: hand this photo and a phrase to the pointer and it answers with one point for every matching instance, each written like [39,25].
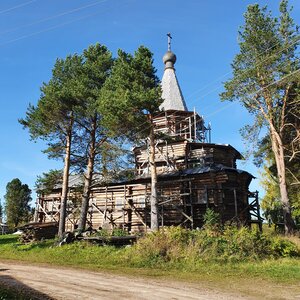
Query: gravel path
[63,283]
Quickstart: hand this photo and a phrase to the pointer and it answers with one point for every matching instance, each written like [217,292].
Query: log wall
[184,155]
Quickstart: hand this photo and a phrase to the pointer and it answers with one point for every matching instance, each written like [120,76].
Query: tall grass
[201,253]
[176,244]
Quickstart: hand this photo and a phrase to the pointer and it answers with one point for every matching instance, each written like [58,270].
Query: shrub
[119,232]
[211,219]
[283,248]
[175,244]
[164,245]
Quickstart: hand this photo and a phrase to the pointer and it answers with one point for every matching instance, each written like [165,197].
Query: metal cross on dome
[169,41]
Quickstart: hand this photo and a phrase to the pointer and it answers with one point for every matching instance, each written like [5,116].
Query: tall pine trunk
[65,184]
[278,150]
[88,178]
[153,197]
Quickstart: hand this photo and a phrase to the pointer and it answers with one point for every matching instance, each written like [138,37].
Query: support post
[192,206]
[258,211]
[235,203]
[190,128]
[195,126]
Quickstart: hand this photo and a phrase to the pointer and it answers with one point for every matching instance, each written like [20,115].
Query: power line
[256,92]
[252,94]
[297,39]
[220,86]
[53,17]
[45,30]
[244,89]
[86,16]
[54,27]
[230,104]
[17,6]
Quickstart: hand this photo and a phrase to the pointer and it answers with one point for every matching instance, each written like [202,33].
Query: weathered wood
[212,181]
[37,231]
[113,240]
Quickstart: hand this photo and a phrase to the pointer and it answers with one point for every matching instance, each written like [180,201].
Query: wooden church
[193,175]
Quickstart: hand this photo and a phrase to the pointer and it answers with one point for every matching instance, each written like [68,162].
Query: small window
[139,202]
[211,196]
[119,203]
[200,197]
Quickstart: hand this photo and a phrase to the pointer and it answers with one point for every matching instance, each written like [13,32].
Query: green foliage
[283,248]
[168,247]
[113,163]
[8,239]
[267,54]
[67,117]
[50,119]
[119,232]
[266,82]
[46,182]
[95,68]
[211,219]
[109,233]
[131,92]
[176,252]
[17,199]
[1,211]
[175,244]
[161,246]
[102,233]
[271,202]
[130,97]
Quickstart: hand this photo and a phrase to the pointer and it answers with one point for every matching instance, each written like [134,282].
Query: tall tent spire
[171,92]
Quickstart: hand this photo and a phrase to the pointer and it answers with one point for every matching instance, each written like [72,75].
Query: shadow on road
[19,290]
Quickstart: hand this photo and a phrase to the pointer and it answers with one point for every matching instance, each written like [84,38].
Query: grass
[166,255]
[85,255]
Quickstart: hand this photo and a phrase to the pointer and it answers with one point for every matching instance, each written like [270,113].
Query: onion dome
[169,59]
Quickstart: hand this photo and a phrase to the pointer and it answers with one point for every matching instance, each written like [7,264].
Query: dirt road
[63,283]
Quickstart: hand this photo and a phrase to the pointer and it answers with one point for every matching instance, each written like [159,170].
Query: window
[119,203]
[201,197]
[139,202]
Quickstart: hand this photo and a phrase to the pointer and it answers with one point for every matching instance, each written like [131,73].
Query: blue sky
[34,33]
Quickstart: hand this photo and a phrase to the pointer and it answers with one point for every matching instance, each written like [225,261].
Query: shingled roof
[171,92]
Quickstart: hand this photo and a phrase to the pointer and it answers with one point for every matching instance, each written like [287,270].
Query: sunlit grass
[228,260]
[169,252]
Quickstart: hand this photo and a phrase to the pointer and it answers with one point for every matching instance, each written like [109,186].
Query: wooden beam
[46,213]
[137,214]
[102,212]
[188,217]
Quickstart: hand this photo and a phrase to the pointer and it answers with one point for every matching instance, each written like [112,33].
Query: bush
[211,219]
[284,248]
[165,245]
[175,245]
[119,232]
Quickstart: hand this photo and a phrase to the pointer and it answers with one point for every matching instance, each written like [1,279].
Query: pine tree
[130,98]
[17,199]
[52,119]
[96,65]
[265,77]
